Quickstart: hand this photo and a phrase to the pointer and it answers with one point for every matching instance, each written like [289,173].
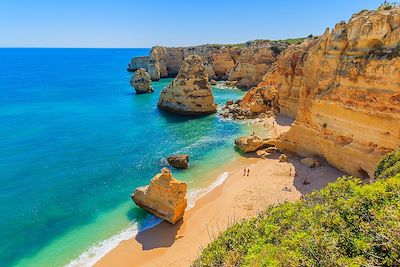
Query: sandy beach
[239,197]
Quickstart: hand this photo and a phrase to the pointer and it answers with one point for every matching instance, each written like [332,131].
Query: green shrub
[388,166]
[344,224]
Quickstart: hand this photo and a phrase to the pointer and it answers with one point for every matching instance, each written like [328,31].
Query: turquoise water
[75,142]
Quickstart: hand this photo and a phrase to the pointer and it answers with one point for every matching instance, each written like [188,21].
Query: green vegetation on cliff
[294,40]
[388,166]
[345,224]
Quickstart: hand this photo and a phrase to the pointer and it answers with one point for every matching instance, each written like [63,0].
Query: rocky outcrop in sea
[190,92]
[165,196]
[141,81]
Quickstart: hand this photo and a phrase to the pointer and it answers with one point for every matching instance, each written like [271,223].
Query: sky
[144,23]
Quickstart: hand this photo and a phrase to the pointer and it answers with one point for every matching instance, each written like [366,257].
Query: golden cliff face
[287,75]
[345,90]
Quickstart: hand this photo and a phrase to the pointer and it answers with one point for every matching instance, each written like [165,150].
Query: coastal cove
[77,140]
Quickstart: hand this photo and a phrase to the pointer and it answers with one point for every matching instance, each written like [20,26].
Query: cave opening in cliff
[363,174]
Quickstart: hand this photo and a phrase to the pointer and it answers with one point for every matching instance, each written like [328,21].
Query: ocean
[76,141]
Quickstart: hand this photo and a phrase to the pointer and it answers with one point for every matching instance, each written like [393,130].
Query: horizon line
[74,47]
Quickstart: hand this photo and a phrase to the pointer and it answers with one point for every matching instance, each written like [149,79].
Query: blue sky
[143,23]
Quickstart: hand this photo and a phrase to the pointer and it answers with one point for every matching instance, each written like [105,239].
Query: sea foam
[99,250]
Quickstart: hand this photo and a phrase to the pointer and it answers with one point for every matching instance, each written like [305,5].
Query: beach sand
[239,197]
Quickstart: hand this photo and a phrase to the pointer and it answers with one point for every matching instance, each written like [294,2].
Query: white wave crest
[96,252]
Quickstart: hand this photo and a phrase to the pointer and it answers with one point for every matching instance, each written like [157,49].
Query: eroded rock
[190,92]
[165,196]
[180,161]
[249,143]
[147,63]
[344,90]
[243,64]
[141,81]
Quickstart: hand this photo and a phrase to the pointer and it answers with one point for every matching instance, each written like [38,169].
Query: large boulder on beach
[249,143]
[141,81]
[180,161]
[190,92]
[165,196]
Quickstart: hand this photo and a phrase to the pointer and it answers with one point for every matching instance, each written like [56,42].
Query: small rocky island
[190,92]
[179,161]
[165,197]
[141,81]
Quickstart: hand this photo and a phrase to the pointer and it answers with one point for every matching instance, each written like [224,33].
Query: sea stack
[190,92]
[165,196]
[141,81]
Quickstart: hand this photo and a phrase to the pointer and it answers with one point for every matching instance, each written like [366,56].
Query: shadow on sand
[283,120]
[162,235]
[309,179]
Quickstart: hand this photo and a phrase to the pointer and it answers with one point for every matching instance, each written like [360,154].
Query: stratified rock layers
[165,196]
[141,81]
[344,90]
[190,92]
[245,63]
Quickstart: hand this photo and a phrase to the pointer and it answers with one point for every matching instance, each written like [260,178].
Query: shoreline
[236,197]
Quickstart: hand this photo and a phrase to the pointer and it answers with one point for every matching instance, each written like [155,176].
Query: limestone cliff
[147,63]
[245,63]
[285,79]
[344,90]
[190,92]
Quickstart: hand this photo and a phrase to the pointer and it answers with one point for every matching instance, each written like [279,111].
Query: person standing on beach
[244,172]
[248,171]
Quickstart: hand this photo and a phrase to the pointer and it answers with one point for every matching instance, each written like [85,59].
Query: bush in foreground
[344,224]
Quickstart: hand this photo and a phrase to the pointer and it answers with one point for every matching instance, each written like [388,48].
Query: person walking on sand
[248,171]
[290,172]
[244,172]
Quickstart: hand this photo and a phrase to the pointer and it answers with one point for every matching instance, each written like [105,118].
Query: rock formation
[180,161]
[245,64]
[249,143]
[280,88]
[164,197]
[343,88]
[190,92]
[141,81]
[147,63]
[283,158]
